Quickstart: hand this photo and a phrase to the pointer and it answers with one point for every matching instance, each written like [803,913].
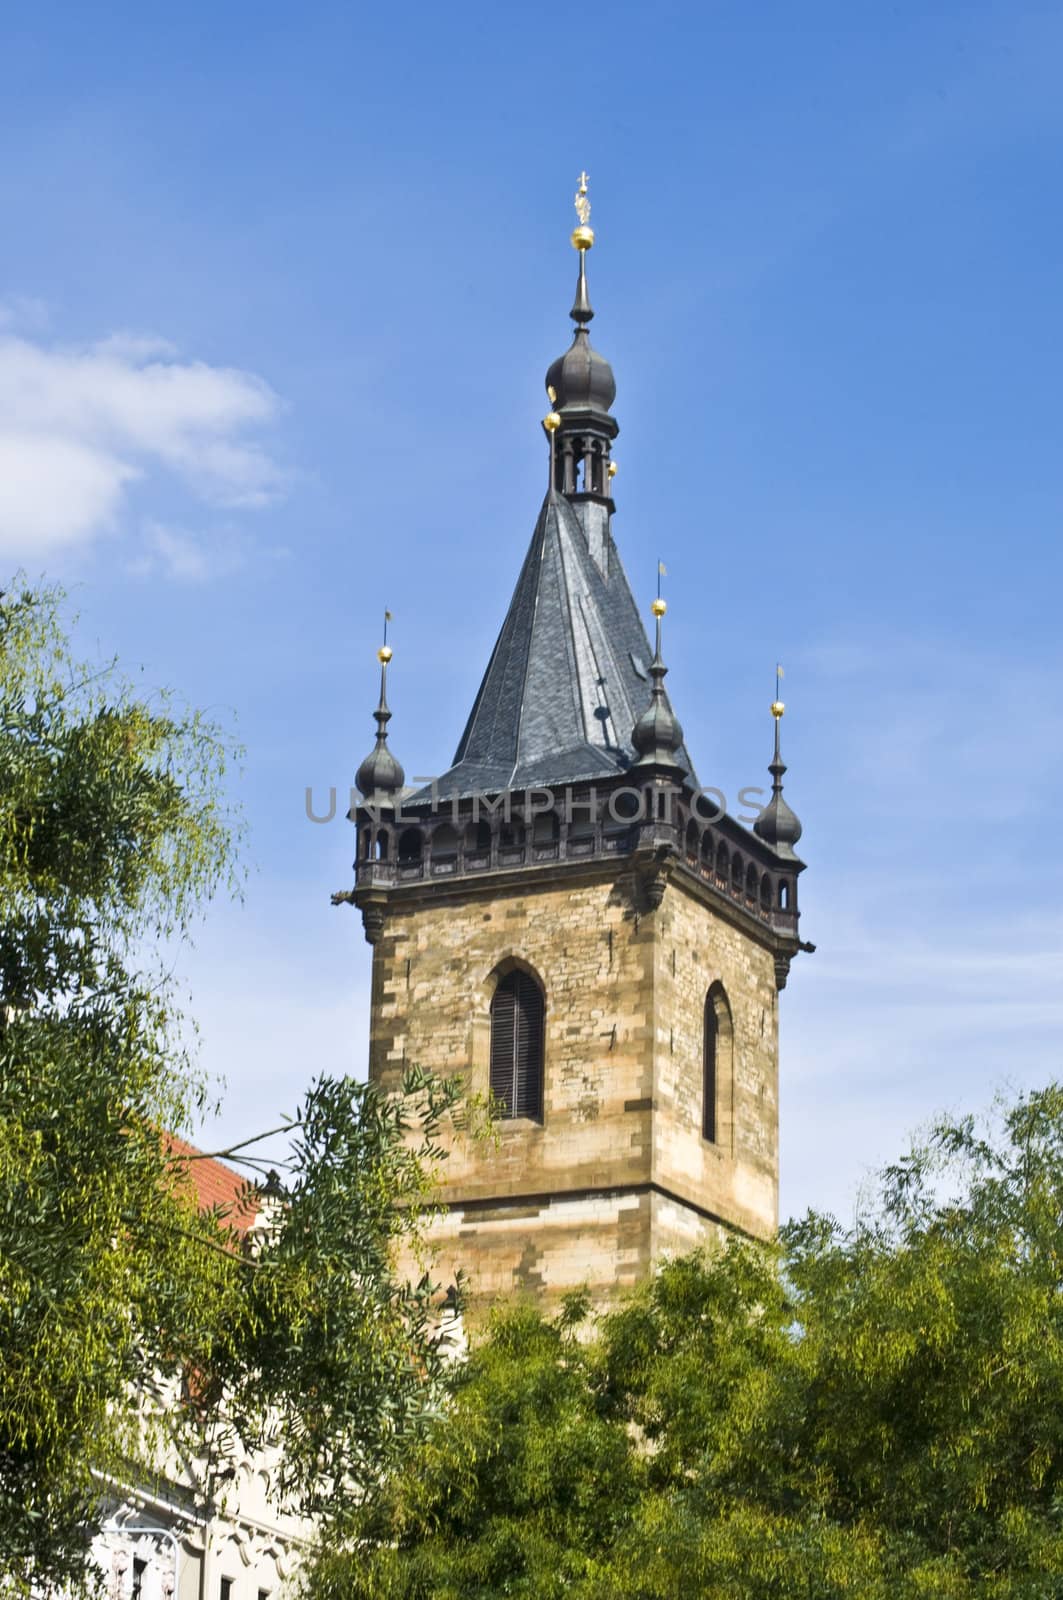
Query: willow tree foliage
[114,1287]
[872,1411]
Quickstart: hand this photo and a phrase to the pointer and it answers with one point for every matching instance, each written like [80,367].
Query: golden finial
[777,707]
[659,606]
[385,652]
[551,422]
[613,469]
[583,236]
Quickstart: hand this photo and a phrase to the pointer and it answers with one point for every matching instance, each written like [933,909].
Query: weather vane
[583,205]
[582,233]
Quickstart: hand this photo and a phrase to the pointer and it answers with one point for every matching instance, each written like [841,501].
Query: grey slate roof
[568,676]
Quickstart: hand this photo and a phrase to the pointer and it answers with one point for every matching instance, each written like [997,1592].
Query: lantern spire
[381,773]
[657,734]
[778,825]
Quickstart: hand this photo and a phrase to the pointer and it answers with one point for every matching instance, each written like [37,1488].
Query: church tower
[566,920]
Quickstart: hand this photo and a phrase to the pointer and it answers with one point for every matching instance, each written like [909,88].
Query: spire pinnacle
[657,734]
[582,240]
[778,824]
[777,707]
[381,773]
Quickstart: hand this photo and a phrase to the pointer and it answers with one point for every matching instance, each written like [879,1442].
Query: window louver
[517,1046]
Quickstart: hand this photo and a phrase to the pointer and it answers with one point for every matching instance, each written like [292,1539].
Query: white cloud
[78,426]
[179,555]
[54,490]
[189,557]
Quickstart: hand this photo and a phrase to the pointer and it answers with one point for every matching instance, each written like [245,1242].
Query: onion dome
[381,774]
[657,734]
[778,825]
[581,379]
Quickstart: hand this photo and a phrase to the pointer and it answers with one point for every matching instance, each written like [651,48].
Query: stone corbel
[783,959]
[651,876]
[373,908]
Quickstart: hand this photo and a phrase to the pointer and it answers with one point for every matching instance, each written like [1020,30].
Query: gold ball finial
[659,607]
[613,469]
[777,709]
[582,237]
[551,422]
[384,654]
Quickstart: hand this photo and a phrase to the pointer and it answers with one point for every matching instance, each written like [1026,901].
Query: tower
[567,920]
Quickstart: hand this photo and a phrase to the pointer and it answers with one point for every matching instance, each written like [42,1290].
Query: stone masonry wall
[735,1177]
[571,1200]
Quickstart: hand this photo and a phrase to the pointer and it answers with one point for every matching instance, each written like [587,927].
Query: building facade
[200,1527]
[567,920]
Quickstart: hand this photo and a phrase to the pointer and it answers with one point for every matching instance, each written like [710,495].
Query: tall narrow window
[711,1072]
[517,1046]
[717,1068]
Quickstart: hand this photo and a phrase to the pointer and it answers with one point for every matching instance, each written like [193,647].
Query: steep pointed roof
[569,675]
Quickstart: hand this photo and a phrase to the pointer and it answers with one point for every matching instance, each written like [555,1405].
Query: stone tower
[565,919]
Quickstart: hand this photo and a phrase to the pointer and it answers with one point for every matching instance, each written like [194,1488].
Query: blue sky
[278,288]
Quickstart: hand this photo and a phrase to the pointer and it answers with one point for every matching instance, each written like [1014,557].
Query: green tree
[113,1285]
[872,1411]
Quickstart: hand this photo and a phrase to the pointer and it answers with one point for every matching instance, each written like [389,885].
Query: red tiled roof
[216,1185]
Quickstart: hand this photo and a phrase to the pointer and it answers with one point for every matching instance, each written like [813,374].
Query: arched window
[581,828]
[478,837]
[546,829]
[716,1062]
[624,806]
[517,1012]
[409,847]
[445,843]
